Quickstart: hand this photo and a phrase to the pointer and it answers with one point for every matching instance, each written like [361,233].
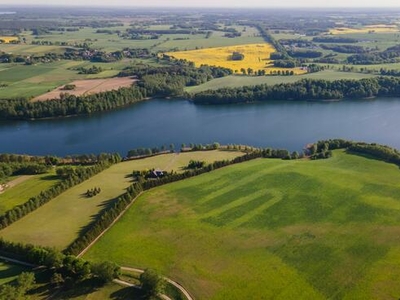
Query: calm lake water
[289,125]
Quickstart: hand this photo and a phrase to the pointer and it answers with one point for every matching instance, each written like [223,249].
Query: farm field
[256,57]
[238,81]
[88,86]
[326,229]
[24,190]
[8,39]
[380,28]
[57,223]
[35,80]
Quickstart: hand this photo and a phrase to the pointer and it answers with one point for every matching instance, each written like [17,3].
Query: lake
[157,122]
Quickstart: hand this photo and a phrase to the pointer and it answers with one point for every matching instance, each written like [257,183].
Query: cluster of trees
[237,56]
[195,164]
[382,152]
[69,87]
[323,149]
[92,192]
[142,152]
[334,39]
[305,53]
[392,72]
[91,70]
[65,269]
[23,284]
[200,147]
[390,55]
[77,176]
[344,48]
[285,63]
[23,109]
[305,89]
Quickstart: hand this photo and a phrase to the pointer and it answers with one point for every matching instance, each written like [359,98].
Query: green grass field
[238,80]
[57,223]
[270,229]
[34,80]
[22,192]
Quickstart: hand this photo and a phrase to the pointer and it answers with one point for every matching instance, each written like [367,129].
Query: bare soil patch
[88,86]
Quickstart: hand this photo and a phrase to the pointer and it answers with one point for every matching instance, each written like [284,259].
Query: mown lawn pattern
[270,229]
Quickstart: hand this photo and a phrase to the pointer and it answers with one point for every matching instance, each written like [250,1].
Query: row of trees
[69,180]
[106,217]
[70,104]
[64,268]
[305,89]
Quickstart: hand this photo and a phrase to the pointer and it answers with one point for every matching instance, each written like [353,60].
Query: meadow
[35,80]
[238,80]
[256,57]
[264,229]
[58,223]
[21,193]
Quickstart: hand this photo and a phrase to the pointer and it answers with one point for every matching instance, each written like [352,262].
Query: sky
[213,3]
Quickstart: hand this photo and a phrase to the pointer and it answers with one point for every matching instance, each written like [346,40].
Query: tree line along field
[325,229]
[239,81]
[59,222]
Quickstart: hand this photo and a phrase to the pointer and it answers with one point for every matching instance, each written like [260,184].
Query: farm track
[174,283]
[15,182]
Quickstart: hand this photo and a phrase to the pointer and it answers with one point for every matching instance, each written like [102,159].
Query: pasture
[264,229]
[57,223]
[256,57]
[238,81]
[27,188]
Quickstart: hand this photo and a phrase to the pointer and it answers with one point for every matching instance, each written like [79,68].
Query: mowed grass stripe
[60,221]
[324,239]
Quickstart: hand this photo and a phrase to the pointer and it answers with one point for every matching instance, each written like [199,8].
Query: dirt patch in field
[13,183]
[88,86]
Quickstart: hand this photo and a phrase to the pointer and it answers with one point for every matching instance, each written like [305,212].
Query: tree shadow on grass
[128,293]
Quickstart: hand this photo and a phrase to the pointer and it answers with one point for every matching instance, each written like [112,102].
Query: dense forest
[305,89]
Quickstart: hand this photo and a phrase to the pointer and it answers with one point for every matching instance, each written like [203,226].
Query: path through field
[14,182]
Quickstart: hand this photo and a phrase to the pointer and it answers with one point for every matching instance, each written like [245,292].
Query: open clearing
[327,229]
[238,81]
[86,87]
[256,57]
[57,223]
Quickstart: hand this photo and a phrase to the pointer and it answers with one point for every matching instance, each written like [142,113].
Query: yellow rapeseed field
[366,29]
[256,57]
[8,39]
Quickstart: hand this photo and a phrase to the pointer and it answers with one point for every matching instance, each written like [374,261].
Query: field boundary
[109,226]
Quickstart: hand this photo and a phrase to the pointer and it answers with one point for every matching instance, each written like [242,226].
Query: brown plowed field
[89,86]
